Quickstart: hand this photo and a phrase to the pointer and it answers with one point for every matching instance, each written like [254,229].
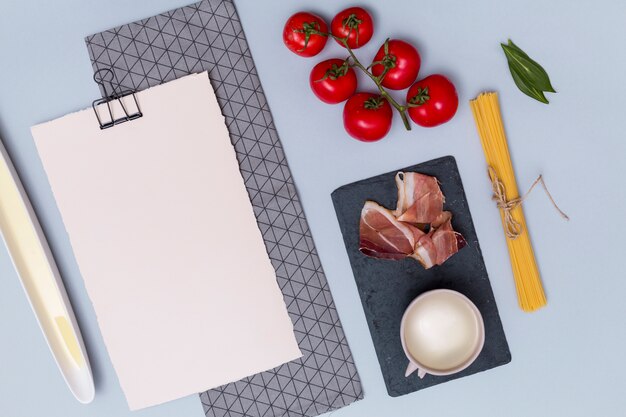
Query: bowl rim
[479,344]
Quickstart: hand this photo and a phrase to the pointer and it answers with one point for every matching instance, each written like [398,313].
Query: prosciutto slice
[382,236]
[418,228]
[439,244]
[425,251]
[420,199]
[447,242]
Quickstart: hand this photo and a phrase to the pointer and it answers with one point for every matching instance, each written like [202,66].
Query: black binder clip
[106,76]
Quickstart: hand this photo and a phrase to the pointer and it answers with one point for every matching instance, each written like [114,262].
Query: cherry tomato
[402,62]
[432,101]
[367,117]
[299,35]
[333,81]
[355,24]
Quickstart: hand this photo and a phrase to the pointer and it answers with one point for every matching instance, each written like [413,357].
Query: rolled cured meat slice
[382,236]
[439,244]
[417,228]
[447,242]
[420,200]
[425,251]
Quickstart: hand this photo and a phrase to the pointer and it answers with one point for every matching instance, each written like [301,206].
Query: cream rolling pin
[35,266]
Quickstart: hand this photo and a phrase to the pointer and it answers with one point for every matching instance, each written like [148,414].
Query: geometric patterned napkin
[208,36]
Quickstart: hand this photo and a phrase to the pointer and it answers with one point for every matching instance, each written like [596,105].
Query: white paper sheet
[166,240]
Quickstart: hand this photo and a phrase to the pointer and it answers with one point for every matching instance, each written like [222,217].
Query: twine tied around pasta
[513,228]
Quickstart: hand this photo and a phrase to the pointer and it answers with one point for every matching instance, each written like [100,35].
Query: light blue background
[568,359]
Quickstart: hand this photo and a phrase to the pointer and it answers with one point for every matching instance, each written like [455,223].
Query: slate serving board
[387,287]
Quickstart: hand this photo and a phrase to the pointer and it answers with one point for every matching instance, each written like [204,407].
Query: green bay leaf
[529,76]
[527,88]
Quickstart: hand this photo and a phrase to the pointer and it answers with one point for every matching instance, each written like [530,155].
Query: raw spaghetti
[486,111]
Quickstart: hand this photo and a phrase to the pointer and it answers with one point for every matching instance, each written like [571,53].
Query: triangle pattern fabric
[208,36]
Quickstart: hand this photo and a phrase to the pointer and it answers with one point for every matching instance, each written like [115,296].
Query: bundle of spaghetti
[487,116]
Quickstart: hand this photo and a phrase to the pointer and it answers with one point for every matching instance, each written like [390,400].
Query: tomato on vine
[305,34]
[333,81]
[396,64]
[353,24]
[367,117]
[432,101]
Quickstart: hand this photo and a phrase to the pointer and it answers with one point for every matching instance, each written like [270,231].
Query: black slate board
[387,287]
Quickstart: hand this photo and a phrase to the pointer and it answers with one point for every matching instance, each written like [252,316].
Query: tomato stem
[352,23]
[310,28]
[377,80]
[373,103]
[336,71]
[420,98]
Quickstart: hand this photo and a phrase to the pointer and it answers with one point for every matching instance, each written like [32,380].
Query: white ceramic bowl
[442,333]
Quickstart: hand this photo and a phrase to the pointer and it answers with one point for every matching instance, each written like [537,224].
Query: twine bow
[513,228]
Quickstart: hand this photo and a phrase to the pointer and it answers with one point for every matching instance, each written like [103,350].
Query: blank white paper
[166,240]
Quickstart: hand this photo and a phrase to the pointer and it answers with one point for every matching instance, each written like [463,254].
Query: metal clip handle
[105,77]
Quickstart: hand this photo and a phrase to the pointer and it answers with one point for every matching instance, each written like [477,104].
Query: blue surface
[568,359]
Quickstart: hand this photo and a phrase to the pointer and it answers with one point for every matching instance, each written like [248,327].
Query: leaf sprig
[529,76]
